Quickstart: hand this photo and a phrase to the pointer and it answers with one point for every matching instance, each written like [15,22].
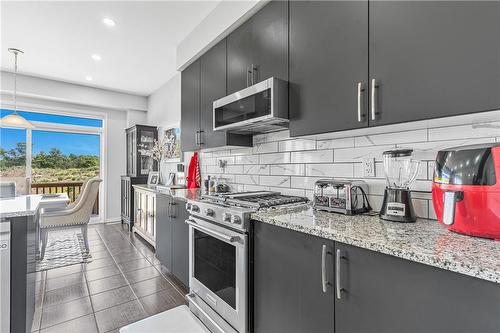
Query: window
[55,119]
[58,155]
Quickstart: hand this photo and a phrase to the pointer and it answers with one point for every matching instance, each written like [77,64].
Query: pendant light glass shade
[14,119]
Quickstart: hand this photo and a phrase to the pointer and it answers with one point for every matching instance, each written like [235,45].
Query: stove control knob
[235,219]
[188,206]
[226,217]
[209,212]
[195,208]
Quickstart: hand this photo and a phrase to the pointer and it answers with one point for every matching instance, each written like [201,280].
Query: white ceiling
[138,54]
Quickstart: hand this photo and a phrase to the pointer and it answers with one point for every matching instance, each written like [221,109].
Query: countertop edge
[16,214]
[178,193]
[483,274]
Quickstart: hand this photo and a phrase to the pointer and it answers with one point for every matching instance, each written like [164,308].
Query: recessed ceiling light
[96,57]
[109,22]
[88,78]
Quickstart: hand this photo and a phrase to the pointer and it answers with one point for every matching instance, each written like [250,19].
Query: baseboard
[113,219]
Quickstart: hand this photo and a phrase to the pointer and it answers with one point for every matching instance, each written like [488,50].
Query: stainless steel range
[219,256]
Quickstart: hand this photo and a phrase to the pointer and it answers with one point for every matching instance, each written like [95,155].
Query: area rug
[64,250]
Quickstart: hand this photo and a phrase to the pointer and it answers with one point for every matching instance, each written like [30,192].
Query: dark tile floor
[124,283]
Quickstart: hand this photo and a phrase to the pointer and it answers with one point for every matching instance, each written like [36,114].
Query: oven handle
[229,239]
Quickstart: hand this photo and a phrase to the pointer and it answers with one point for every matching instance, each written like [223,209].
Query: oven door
[218,262]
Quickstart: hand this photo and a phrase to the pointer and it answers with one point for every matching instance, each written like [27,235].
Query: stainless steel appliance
[219,256]
[262,107]
[400,171]
[341,196]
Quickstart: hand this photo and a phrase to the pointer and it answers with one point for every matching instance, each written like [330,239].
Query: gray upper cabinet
[258,49]
[213,87]
[288,281]
[328,65]
[434,58]
[382,293]
[203,82]
[190,106]
[239,58]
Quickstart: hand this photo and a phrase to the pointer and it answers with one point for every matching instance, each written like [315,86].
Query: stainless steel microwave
[260,108]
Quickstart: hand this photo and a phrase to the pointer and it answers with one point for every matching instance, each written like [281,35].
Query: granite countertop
[28,205]
[425,241]
[180,193]
[23,205]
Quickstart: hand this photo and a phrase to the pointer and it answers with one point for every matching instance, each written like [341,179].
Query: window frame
[68,128]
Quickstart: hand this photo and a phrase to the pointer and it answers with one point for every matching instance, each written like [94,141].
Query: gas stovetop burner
[255,199]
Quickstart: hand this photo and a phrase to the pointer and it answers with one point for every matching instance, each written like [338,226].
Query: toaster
[341,196]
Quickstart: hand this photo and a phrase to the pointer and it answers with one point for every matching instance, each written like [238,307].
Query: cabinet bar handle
[360,101]
[338,289]
[374,99]
[248,76]
[254,70]
[324,282]
[196,139]
[200,135]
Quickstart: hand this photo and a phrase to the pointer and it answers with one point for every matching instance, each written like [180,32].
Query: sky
[67,143]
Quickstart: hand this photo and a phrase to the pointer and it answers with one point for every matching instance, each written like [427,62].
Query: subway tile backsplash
[278,162]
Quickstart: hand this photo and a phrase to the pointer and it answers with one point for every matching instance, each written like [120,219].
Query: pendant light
[14,119]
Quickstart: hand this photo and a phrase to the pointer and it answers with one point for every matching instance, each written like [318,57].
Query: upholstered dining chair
[73,216]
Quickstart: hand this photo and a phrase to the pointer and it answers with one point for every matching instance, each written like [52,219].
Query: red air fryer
[466,189]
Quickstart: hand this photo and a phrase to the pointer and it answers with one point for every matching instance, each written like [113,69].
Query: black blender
[400,171]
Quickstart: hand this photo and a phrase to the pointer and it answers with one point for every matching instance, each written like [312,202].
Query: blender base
[397,206]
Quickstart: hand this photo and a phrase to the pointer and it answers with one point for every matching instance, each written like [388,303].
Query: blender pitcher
[400,171]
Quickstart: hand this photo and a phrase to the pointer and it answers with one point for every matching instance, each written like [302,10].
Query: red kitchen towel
[193,177]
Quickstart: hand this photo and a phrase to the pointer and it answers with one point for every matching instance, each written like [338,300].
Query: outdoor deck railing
[71,188]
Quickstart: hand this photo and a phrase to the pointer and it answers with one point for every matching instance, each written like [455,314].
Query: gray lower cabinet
[180,241]
[164,238]
[378,292]
[261,41]
[328,60]
[172,240]
[382,293]
[434,58]
[288,289]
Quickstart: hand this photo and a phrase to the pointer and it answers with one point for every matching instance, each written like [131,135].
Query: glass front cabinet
[139,141]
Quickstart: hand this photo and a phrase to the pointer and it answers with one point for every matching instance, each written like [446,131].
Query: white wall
[164,109]
[164,105]
[221,21]
[41,88]
[82,100]
[136,117]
